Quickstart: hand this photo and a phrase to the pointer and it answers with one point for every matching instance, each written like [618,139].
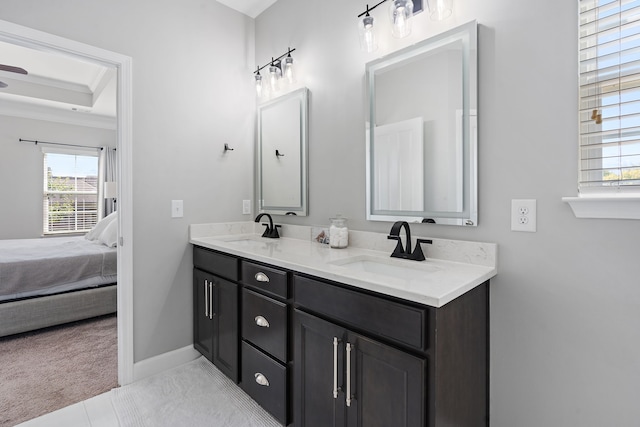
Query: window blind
[70,193]
[609,66]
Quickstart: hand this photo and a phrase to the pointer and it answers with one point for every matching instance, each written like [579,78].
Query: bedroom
[50,274]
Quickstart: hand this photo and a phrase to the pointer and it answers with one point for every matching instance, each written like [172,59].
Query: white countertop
[442,281]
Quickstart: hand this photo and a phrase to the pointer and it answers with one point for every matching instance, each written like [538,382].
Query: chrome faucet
[405,252]
[271,230]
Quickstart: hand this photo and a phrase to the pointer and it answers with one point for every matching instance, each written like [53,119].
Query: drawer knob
[262,322]
[261,379]
[261,277]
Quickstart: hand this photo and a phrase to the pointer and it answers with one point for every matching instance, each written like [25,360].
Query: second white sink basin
[389,267]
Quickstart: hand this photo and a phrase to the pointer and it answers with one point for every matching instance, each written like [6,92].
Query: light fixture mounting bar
[369,9]
[417,7]
[288,52]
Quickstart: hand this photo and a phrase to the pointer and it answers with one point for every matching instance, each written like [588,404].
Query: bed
[51,281]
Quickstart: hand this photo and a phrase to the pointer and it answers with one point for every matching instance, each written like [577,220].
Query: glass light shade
[274,76]
[440,9]
[368,42]
[400,13]
[259,85]
[289,70]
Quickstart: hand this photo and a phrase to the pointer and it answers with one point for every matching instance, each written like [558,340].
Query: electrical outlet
[523,215]
[246,207]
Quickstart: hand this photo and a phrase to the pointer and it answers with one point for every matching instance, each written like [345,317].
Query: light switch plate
[246,207]
[177,209]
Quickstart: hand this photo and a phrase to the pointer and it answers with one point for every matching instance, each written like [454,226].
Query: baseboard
[162,362]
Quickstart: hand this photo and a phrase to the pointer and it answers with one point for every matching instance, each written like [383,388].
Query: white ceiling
[64,89]
[57,88]
[251,8]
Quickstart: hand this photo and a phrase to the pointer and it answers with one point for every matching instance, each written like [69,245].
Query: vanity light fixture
[258,83]
[276,73]
[400,13]
[368,42]
[440,9]
[289,69]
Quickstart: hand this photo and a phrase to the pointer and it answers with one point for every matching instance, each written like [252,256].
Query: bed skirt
[41,312]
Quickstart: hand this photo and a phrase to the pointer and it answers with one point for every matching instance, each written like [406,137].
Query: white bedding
[31,267]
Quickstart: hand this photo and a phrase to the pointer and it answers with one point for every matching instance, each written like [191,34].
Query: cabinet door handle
[261,277]
[210,300]
[262,322]
[348,393]
[261,379]
[335,367]
[206,298]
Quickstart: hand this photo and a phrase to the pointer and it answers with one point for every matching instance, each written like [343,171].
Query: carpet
[194,394]
[42,371]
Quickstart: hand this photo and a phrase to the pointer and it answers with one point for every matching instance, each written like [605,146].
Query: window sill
[618,207]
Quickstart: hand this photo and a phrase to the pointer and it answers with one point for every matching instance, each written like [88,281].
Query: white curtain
[109,168]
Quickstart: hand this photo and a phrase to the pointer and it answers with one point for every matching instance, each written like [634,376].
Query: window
[70,202]
[609,50]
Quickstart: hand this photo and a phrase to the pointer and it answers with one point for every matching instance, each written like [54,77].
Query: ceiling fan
[10,69]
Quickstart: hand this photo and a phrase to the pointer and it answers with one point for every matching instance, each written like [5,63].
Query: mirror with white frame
[421,160]
[282,155]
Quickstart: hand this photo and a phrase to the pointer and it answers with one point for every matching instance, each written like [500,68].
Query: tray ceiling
[57,87]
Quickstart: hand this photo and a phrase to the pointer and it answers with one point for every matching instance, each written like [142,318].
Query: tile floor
[94,412]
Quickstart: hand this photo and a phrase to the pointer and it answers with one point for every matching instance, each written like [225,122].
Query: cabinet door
[202,321]
[225,327]
[317,360]
[387,386]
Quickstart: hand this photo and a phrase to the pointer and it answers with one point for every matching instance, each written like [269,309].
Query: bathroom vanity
[319,337]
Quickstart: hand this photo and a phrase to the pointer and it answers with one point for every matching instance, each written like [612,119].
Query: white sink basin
[389,267]
[251,242]
[243,242]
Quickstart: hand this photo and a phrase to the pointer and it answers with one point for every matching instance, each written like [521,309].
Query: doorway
[34,39]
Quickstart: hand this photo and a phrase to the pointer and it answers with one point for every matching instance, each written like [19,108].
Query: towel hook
[227,148]
[279,154]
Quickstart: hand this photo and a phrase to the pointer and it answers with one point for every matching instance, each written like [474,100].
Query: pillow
[109,236]
[95,232]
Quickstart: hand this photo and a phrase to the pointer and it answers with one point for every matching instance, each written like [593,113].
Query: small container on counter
[338,233]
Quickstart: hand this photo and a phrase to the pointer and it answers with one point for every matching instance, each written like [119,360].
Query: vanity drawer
[264,323]
[265,380]
[215,262]
[268,279]
[392,320]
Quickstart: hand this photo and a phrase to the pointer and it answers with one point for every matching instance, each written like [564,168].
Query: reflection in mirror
[421,154]
[282,155]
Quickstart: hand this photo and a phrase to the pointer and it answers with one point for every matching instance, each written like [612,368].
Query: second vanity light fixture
[276,73]
[400,13]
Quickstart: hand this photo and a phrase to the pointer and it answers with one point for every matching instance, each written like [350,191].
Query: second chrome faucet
[405,251]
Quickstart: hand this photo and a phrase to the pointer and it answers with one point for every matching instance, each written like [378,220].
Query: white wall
[191,93]
[565,324]
[21,169]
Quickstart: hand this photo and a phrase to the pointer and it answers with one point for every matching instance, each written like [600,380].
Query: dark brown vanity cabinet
[347,379]
[368,360]
[317,353]
[215,310]
[265,337]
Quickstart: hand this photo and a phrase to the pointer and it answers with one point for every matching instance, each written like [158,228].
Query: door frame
[35,39]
